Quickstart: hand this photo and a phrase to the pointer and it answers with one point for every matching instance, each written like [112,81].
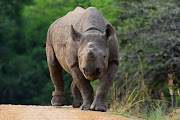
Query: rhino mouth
[91,77]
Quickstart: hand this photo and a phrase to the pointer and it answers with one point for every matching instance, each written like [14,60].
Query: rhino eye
[104,57]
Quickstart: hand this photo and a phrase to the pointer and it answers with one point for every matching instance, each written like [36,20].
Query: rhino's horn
[91,45]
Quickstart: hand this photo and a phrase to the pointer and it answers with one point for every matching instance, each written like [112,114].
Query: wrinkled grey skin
[84,44]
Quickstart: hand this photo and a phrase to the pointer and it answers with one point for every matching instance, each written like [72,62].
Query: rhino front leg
[59,96]
[104,84]
[55,69]
[84,86]
[77,102]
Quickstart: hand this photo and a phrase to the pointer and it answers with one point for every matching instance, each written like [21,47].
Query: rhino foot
[98,107]
[85,106]
[59,98]
[58,101]
[77,103]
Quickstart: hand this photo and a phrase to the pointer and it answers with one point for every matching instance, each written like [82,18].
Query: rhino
[84,44]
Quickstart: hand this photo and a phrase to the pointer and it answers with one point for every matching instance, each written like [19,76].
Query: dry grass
[134,99]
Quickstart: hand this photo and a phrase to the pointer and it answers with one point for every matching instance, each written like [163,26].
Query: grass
[159,114]
[134,102]
[133,99]
[155,113]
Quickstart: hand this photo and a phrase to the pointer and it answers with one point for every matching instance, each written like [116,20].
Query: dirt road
[22,112]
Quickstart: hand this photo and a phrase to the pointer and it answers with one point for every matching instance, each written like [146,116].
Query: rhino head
[93,52]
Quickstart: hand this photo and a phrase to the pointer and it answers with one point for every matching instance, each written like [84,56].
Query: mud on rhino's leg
[85,88]
[55,69]
[104,84]
[77,102]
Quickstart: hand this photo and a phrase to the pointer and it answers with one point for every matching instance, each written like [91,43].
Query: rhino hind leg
[77,102]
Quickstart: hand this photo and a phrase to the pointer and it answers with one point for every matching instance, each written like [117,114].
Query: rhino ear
[109,33]
[75,34]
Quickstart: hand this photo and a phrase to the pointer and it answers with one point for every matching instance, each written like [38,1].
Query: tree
[150,42]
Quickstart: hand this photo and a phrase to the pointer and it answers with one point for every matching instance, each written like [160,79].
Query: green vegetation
[149,39]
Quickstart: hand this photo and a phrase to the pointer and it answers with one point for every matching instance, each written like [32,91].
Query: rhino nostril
[84,70]
[98,70]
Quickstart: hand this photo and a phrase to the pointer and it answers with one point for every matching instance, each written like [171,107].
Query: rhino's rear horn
[109,33]
[75,34]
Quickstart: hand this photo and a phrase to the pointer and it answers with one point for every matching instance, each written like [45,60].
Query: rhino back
[90,17]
